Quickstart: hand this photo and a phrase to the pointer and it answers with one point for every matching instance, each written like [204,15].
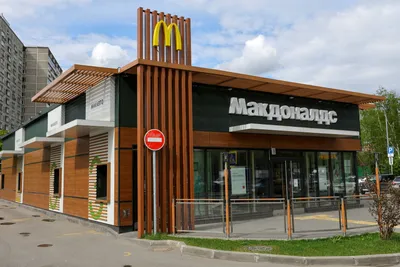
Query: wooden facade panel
[125,220]
[248,140]
[9,170]
[37,200]
[126,175]
[76,206]
[36,178]
[7,194]
[77,146]
[8,163]
[128,137]
[76,176]
[37,156]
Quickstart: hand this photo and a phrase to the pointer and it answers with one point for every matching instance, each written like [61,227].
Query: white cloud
[104,54]
[258,57]
[357,49]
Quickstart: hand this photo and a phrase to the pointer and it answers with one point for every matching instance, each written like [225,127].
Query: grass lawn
[365,244]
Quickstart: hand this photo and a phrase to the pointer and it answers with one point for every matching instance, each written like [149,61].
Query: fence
[273,217]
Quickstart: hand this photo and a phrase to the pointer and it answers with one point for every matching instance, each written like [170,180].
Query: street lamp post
[387,136]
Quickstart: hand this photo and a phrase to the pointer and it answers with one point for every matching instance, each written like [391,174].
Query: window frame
[105,199]
[59,182]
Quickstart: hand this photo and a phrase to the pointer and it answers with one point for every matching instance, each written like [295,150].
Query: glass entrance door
[286,178]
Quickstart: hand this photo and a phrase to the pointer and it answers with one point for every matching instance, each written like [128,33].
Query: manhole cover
[25,234]
[259,248]
[48,220]
[45,245]
[35,216]
[7,223]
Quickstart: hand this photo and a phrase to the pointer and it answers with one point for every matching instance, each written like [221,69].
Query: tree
[373,130]
[2,132]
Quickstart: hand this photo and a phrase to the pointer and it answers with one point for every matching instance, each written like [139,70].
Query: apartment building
[11,76]
[23,72]
[41,68]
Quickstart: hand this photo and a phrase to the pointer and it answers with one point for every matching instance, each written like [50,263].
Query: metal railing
[273,217]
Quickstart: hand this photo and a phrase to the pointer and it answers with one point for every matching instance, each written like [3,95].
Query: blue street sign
[390,151]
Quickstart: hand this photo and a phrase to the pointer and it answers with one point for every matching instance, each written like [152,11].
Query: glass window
[200,182]
[311,182]
[101,183]
[240,182]
[215,174]
[56,182]
[260,177]
[19,182]
[349,175]
[3,181]
[323,174]
[337,174]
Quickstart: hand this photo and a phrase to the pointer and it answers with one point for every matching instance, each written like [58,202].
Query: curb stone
[368,260]
[54,214]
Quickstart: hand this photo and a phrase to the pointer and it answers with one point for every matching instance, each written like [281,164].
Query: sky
[346,44]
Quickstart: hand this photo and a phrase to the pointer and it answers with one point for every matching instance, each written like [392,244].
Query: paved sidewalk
[76,245]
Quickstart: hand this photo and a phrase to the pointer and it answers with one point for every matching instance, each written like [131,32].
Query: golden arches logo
[167,34]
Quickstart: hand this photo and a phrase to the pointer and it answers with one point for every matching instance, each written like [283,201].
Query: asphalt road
[75,245]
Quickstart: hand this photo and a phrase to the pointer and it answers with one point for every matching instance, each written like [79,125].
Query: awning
[78,128]
[10,153]
[41,142]
[291,130]
[73,82]
[256,83]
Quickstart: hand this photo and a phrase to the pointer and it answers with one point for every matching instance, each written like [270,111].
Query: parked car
[396,182]
[385,180]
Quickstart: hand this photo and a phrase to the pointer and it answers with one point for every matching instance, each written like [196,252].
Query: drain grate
[25,234]
[45,245]
[35,216]
[48,220]
[7,223]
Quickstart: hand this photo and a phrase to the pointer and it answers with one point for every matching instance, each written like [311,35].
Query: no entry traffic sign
[154,139]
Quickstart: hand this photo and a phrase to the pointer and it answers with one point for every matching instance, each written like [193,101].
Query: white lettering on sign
[272,111]
[154,139]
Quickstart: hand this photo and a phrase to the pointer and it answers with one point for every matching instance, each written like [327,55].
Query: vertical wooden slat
[171,178]
[161,48]
[139,33]
[178,140]
[140,151]
[190,141]
[183,35]
[154,53]
[173,42]
[168,48]
[185,177]
[147,33]
[164,153]
[188,43]
[149,184]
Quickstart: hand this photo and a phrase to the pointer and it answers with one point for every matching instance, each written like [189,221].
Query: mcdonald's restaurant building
[85,155]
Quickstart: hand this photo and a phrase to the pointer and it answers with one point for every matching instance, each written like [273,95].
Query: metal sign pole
[154,195]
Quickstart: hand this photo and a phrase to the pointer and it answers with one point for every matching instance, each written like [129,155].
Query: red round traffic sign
[154,139]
